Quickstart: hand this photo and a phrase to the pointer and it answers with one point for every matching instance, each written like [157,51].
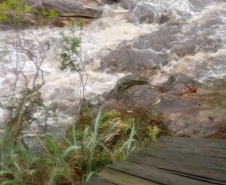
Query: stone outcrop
[186,114]
[90,8]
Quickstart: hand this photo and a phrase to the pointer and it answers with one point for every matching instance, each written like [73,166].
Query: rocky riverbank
[186,112]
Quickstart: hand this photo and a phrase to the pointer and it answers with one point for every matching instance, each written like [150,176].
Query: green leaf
[53,14]
[68,141]
[69,149]
[3,172]
[95,133]
[74,134]
[60,156]
[110,129]
[31,172]
[89,176]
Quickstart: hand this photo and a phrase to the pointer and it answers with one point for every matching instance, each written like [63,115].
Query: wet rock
[174,42]
[132,93]
[216,83]
[164,19]
[35,3]
[193,114]
[126,83]
[78,7]
[144,14]
[128,4]
[186,114]
[147,51]
[127,59]
[178,79]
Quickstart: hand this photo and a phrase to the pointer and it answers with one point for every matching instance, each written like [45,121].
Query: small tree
[71,57]
[13,13]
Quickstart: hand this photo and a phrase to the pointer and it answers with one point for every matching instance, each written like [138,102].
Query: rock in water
[128,4]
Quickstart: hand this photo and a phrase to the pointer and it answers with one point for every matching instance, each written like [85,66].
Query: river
[159,38]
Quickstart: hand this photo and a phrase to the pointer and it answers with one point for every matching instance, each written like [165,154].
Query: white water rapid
[62,88]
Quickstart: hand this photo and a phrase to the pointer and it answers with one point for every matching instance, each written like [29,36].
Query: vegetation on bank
[17,14]
[87,148]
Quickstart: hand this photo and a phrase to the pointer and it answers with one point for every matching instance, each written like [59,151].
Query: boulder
[69,8]
[126,83]
[35,3]
[201,113]
[131,93]
[128,4]
[144,14]
[198,114]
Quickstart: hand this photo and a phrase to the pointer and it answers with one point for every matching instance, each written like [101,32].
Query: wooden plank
[185,158]
[212,143]
[120,178]
[98,181]
[189,170]
[154,174]
[188,148]
[171,161]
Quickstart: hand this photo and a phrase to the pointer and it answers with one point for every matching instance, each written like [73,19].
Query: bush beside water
[85,150]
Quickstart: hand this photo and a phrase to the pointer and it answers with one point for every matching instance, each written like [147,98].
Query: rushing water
[61,91]
[190,39]
[174,36]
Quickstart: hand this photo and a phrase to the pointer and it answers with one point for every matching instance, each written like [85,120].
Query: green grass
[84,151]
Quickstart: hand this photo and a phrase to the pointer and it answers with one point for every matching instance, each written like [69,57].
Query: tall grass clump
[87,150]
[84,151]
[17,163]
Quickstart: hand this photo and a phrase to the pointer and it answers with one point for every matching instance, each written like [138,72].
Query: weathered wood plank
[188,148]
[98,181]
[185,158]
[171,161]
[120,178]
[213,143]
[189,170]
[154,174]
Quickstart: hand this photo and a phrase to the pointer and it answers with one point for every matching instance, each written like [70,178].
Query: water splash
[62,88]
[191,41]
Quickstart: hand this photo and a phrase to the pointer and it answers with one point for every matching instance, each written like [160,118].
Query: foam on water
[197,18]
[62,88]
[198,38]
[202,65]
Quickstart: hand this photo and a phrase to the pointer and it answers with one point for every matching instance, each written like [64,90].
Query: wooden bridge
[170,161]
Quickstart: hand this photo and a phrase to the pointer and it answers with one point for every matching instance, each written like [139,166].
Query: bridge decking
[171,161]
